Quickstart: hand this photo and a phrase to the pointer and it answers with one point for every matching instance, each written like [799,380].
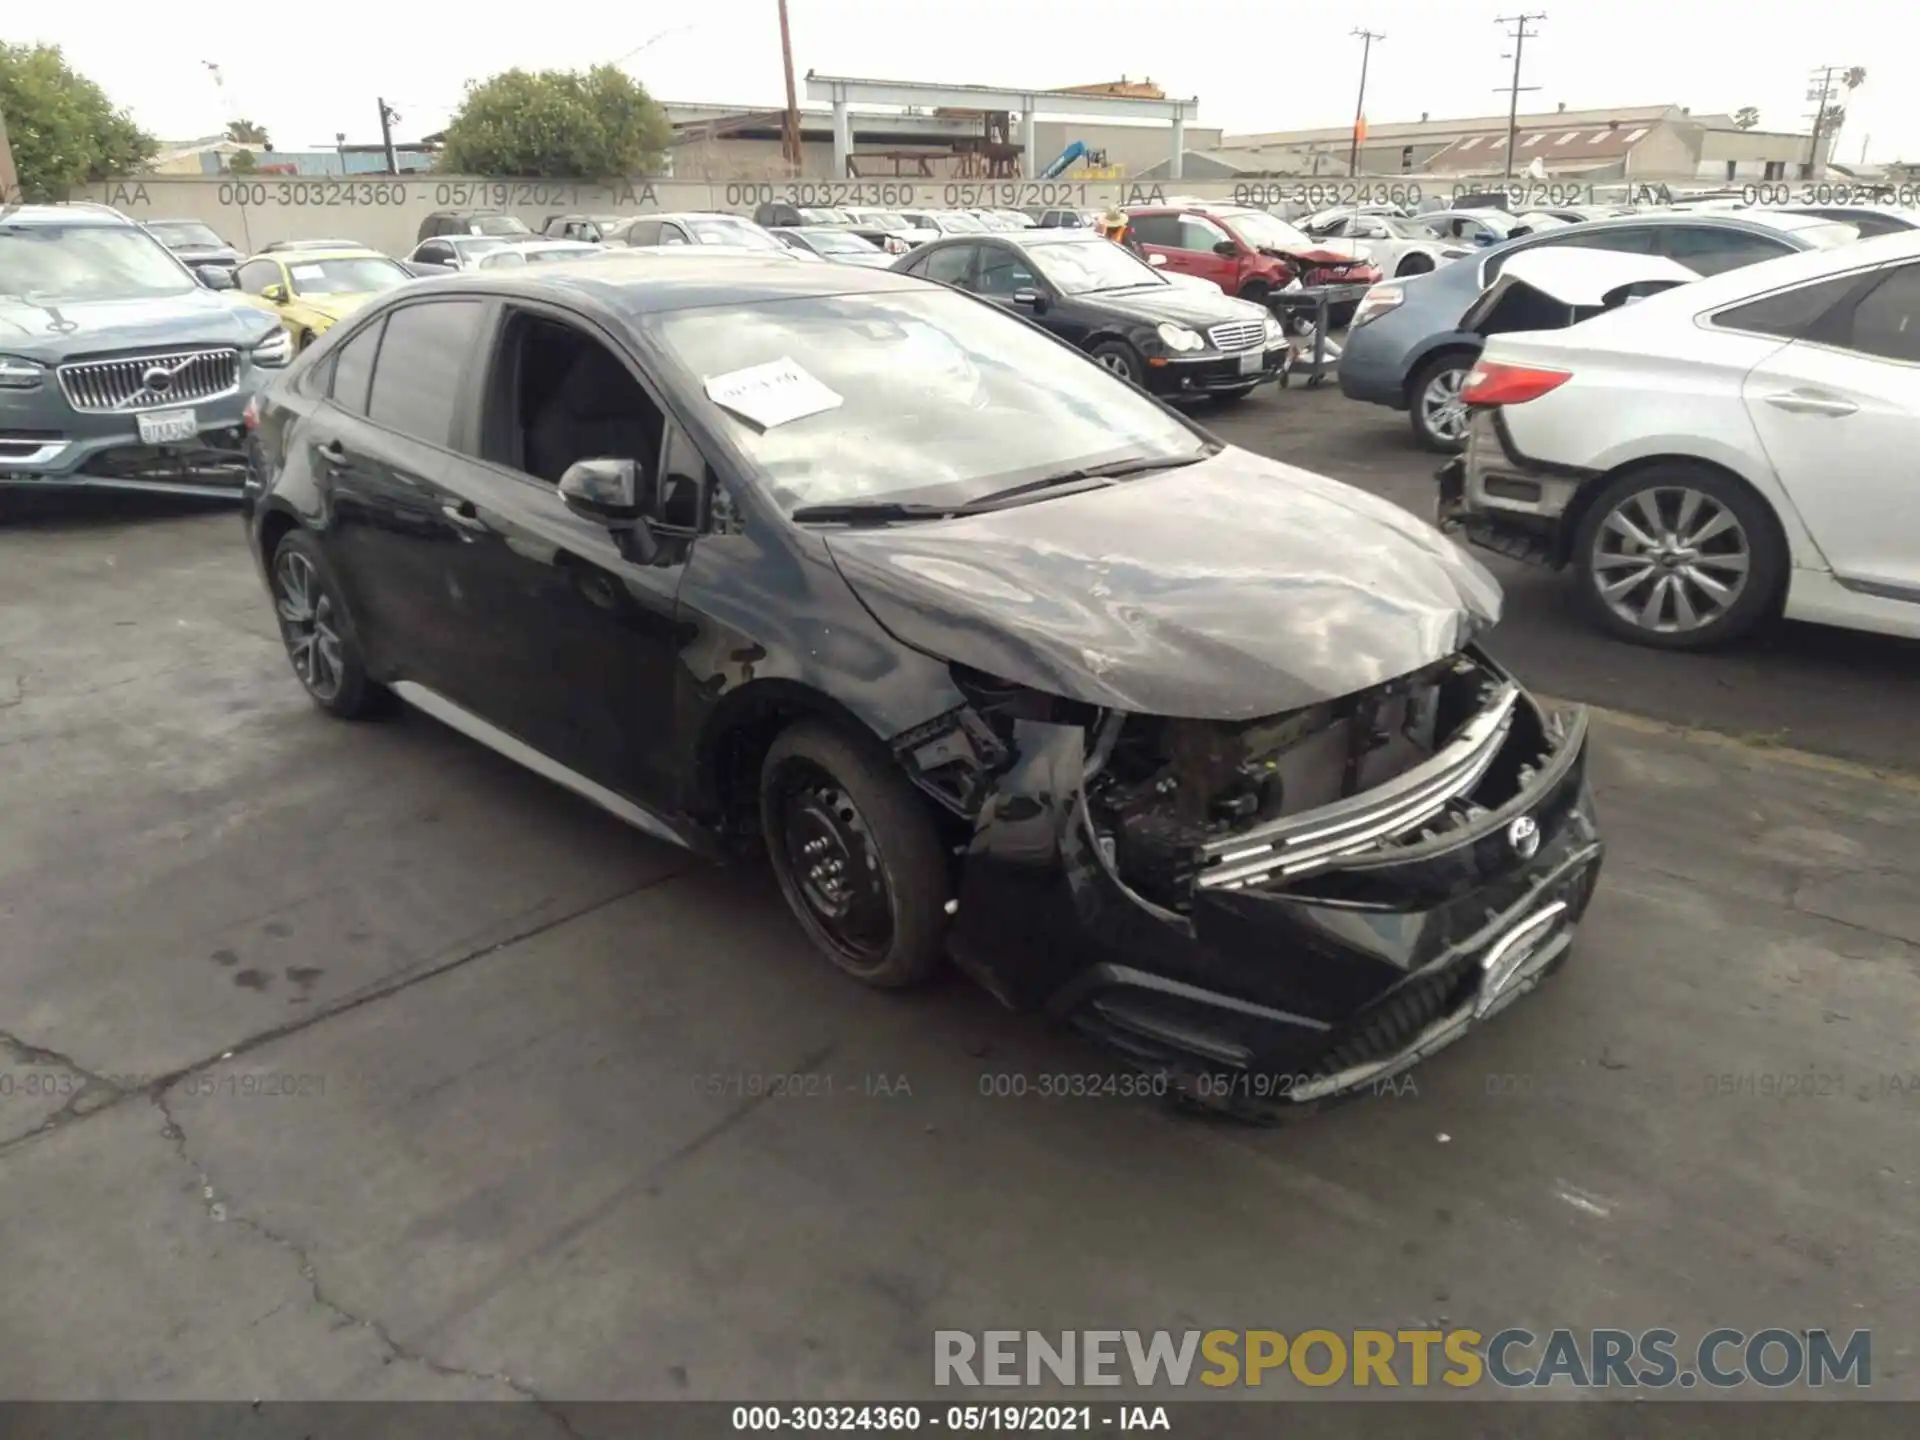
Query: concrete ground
[349,1060]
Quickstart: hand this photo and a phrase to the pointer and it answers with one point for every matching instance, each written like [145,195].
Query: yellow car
[312,289]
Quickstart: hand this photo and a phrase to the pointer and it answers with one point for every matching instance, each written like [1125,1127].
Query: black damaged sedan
[990,654]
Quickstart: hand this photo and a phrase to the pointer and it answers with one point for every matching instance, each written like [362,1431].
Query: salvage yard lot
[369,1064]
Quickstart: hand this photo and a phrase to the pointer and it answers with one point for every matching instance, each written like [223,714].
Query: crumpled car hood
[1233,588]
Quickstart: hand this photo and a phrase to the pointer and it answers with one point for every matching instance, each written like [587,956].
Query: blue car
[1405,348]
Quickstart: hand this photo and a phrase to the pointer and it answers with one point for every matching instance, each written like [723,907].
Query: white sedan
[1709,456]
[1398,247]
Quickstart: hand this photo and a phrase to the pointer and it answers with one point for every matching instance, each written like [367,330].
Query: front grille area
[1240,335]
[146,382]
[1391,1023]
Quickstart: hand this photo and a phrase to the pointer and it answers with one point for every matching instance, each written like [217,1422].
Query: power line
[1520,35]
[1366,38]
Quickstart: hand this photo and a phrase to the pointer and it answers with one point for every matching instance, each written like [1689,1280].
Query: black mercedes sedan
[990,654]
[1169,338]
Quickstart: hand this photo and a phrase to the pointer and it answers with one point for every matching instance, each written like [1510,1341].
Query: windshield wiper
[1090,477]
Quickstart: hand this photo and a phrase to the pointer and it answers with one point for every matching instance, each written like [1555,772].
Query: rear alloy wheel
[1118,356]
[856,855]
[1439,415]
[318,633]
[1677,558]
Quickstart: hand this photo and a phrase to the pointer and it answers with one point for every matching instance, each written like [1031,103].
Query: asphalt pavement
[350,1060]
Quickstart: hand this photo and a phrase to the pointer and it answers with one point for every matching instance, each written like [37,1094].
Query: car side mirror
[616,494]
[1036,300]
[215,278]
[1227,248]
[1159,262]
[275,292]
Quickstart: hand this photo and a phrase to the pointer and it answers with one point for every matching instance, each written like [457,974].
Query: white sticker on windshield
[309,272]
[772,394]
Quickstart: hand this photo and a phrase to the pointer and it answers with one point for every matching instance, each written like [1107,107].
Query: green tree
[245,132]
[64,130]
[241,162]
[556,124]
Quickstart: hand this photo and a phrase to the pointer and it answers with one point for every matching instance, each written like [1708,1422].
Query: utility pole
[1521,34]
[387,116]
[1366,38]
[791,138]
[1820,90]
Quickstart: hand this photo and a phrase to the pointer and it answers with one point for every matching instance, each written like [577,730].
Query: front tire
[1678,557]
[856,855]
[1438,414]
[1121,359]
[322,643]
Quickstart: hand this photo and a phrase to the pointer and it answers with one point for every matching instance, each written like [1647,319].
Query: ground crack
[95,1092]
[219,1210]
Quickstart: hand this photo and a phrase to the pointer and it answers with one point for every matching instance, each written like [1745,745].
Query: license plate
[1250,363]
[167,427]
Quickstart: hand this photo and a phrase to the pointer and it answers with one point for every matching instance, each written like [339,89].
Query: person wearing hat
[1113,225]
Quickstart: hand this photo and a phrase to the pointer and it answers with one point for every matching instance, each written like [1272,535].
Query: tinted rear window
[417,384]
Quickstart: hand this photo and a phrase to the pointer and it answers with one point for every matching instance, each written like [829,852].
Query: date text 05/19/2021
[960,1419]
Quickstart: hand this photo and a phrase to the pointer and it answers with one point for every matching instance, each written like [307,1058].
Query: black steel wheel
[856,855]
[318,632]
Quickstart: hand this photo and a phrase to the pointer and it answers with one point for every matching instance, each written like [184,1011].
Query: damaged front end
[1282,909]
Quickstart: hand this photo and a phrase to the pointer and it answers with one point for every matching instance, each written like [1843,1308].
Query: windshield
[87,262]
[1083,267]
[838,242]
[1404,229]
[358,275]
[939,394]
[186,232]
[954,223]
[719,230]
[499,225]
[1265,232]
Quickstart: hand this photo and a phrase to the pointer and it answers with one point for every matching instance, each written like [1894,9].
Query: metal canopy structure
[844,90]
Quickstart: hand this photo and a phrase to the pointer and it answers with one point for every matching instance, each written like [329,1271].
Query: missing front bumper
[1310,986]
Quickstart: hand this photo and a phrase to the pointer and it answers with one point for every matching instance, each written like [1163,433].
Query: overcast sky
[330,60]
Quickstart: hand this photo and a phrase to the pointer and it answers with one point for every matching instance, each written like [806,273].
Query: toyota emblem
[1524,836]
[157,379]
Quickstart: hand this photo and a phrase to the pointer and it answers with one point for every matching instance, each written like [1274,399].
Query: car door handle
[1801,402]
[334,453]
[464,515]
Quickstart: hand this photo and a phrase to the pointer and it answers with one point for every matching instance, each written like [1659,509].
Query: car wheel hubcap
[1445,412]
[1118,364]
[834,867]
[1670,560]
[309,624]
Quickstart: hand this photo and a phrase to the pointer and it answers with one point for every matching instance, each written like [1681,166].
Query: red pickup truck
[1245,252]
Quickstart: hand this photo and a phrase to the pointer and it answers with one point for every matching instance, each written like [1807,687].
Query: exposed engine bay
[1178,803]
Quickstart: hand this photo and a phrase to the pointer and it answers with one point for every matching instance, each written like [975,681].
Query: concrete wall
[385,213]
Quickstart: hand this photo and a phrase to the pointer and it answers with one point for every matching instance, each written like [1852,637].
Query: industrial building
[1647,142]
[876,129]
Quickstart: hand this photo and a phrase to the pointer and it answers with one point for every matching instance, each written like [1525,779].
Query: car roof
[76,214]
[631,285]
[1714,291]
[307,257]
